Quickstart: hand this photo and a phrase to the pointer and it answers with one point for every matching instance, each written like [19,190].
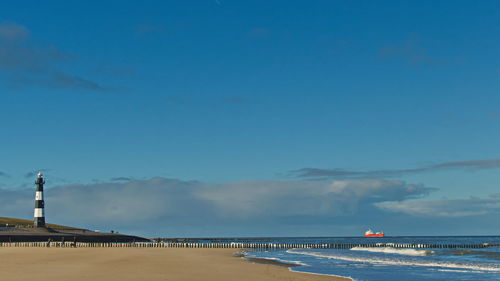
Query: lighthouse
[39,203]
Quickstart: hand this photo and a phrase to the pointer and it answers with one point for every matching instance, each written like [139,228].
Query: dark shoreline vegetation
[22,230]
[15,222]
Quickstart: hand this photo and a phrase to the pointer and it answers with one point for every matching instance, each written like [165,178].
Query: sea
[392,263]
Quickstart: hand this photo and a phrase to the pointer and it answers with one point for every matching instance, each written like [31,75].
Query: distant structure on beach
[39,219]
[15,230]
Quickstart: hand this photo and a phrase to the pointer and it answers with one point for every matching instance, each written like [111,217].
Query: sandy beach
[61,264]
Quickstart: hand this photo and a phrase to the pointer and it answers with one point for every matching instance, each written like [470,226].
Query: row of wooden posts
[263,246]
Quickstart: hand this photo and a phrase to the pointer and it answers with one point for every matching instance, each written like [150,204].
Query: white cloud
[286,198]
[444,208]
[162,200]
[161,206]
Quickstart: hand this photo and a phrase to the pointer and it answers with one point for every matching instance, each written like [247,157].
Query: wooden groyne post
[237,245]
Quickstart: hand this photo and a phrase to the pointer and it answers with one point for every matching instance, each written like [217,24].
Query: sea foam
[389,250]
[397,262]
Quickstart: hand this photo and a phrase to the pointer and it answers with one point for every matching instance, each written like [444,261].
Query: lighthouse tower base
[39,222]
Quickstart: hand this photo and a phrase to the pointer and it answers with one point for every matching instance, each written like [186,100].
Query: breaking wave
[396,262]
[389,250]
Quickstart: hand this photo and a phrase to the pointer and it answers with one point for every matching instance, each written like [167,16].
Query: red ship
[370,233]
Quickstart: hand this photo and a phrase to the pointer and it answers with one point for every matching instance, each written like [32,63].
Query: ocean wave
[486,254]
[386,261]
[389,250]
[279,260]
[458,270]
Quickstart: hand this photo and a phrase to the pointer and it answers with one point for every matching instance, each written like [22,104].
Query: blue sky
[246,97]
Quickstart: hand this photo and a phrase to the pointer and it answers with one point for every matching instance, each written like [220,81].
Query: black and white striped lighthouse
[39,203]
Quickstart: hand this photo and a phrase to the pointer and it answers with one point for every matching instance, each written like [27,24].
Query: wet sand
[110,264]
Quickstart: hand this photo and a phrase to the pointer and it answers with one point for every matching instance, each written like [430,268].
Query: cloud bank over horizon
[170,207]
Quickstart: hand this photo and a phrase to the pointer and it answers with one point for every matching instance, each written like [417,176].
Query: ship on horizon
[370,233]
